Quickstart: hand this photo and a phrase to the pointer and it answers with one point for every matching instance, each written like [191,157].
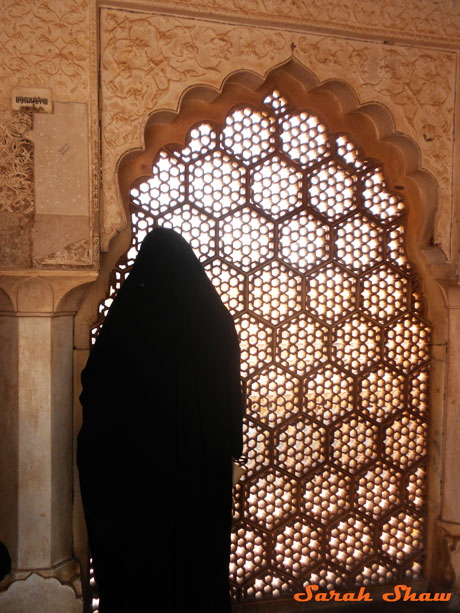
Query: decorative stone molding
[436,22]
[150,61]
[40,595]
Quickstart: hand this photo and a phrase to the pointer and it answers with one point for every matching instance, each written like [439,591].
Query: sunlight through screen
[304,241]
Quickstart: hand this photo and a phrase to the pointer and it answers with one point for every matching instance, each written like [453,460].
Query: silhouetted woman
[162,418]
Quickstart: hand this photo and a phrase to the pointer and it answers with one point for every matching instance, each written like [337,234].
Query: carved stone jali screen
[305,243]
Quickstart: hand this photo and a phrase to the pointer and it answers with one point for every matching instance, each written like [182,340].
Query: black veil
[162,418]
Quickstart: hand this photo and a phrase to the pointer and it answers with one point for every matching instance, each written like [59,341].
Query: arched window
[305,243]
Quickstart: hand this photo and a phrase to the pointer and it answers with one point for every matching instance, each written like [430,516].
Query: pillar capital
[43,291]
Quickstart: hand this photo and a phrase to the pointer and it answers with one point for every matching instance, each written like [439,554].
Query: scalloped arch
[370,123]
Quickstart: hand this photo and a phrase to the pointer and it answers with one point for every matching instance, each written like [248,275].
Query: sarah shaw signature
[400,592]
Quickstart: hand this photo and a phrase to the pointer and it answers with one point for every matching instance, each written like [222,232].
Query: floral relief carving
[16,163]
[16,189]
[144,58]
[148,61]
[432,20]
[45,42]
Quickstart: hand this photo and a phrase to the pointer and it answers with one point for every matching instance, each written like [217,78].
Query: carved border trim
[433,23]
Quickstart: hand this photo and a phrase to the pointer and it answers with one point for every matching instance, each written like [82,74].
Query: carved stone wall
[43,43]
[149,61]
[398,54]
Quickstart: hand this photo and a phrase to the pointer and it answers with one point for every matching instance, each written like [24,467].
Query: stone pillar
[45,440]
[36,451]
[448,537]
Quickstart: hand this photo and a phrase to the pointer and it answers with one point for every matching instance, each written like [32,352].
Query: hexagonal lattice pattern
[379,202]
[407,343]
[384,294]
[376,573]
[144,223]
[216,184]
[351,542]
[229,283]
[328,394]
[354,443]
[238,500]
[359,243]
[331,191]
[331,293]
[378,490]
[415,487]
[255,343]
[276,187]
[275,292]
[418,391]
[270,585]
[395,247]
[302,344]
[273,396]
[257,447]
[356,343]
[326,494]
[276,101]
[405,440]
[381,393]
[201,139]
[164,189]
[297,546]
[304,241]
[300,446]
[348,153]
[246,239]
[248,134]
[271,499]
[248,553]
[401,536]
[326,578]
[304,138]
